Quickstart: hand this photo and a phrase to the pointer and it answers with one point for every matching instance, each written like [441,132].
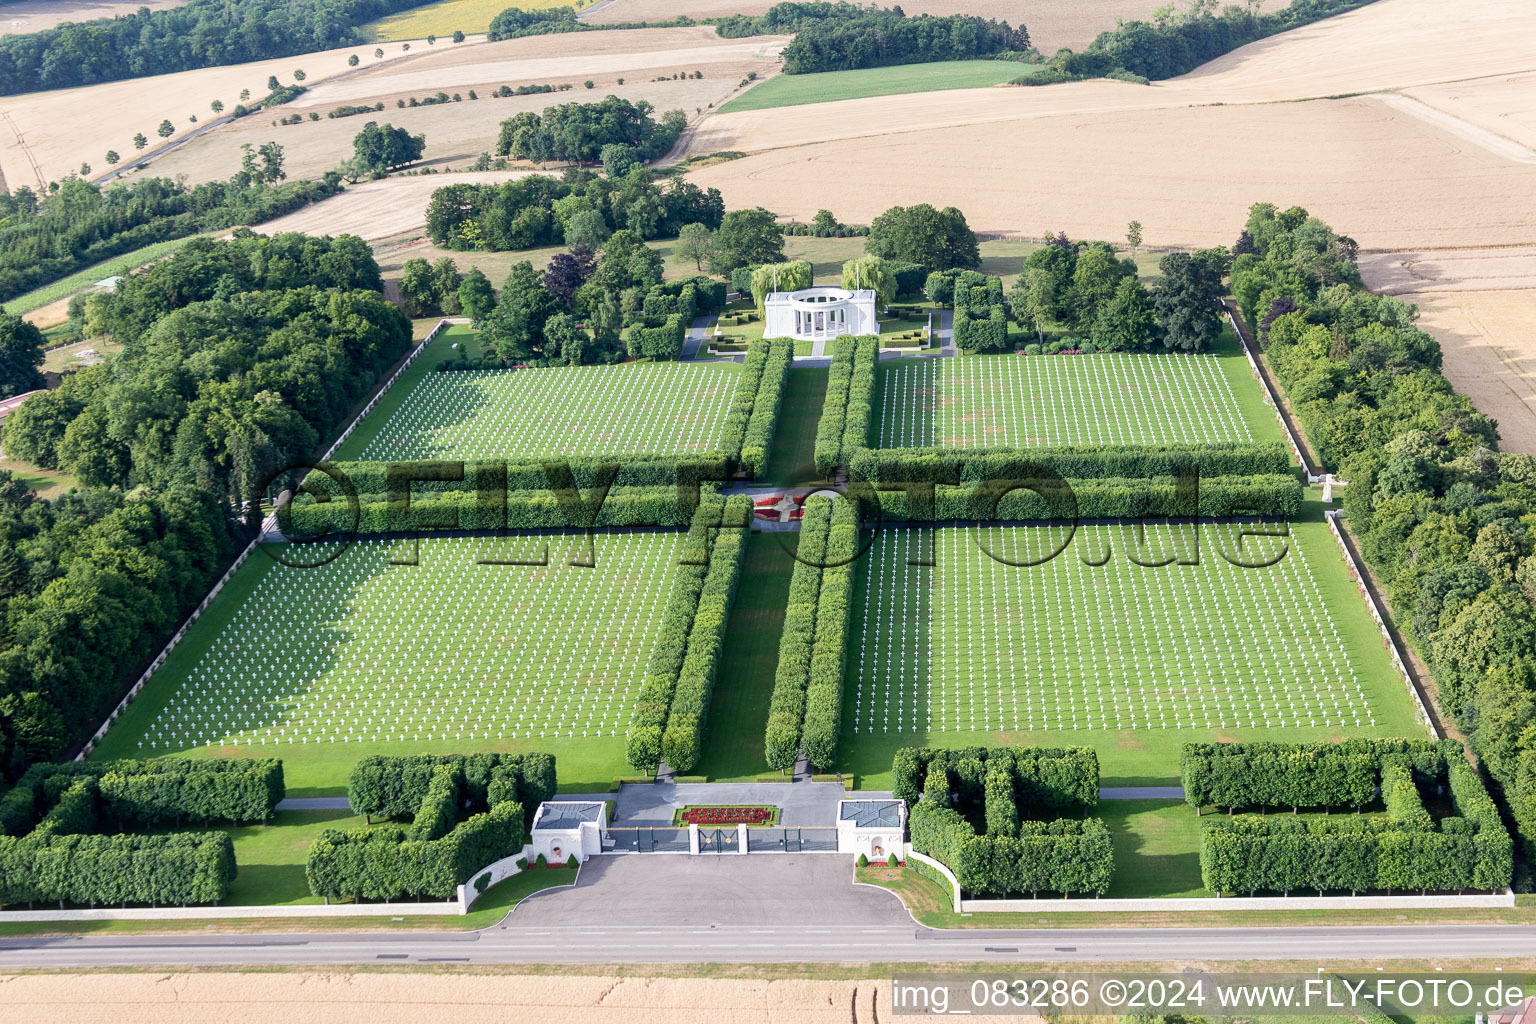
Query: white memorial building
[811,314]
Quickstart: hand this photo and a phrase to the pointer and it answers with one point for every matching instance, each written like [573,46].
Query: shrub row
[1096,499]
[824,686]
[386,863]
[757,443]
[152,792]
[861,394]
[1067,855]
[682,742]
[1057,780]
[392,787]
[786,708]
[938,465]
[371,480]
[659,340]
[987,332]
[834,408]
[744,399]
[180,868]
[439,810]
[1297,775]
[461,510]
[648,723]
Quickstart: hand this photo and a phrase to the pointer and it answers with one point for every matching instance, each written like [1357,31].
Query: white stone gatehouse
[562,828]
[811,314]
[872,827]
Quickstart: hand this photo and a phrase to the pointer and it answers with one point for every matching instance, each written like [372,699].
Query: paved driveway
[730,889]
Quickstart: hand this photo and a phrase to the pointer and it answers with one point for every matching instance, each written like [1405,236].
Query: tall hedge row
[861,394]
[757,444]
[1053,780]
[396,786]
[824,685]
[648,722]
[371,480]
[1219,497]
[786,707]
[834,407]
[150,793]
[660,341]
[1089,462]
[1067,855]
[983,332]
[89,870]
[386,863]
[1301,775]
[744,398]
[467,510]
[683,740]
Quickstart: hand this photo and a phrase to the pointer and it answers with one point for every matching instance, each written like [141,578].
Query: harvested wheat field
[458,133]
[378,209]
[38,15]
[67,127]
[1481,306]
[1052,24]
[1503,104]
[1185,157]
[408,998]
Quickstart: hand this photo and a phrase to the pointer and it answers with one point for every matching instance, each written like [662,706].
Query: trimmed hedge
[786,707]
[861,391]
[392,787]
[757,443]
[1098,499]
[181,868]
[150,793]
[1405,849]
[845,411]
[980,322]
[1010,789]
[910,277]
[1060,780]
[824,686]
[1089,462]
[682,741]
[471,510]
[371,480]
[1298,775]
[663,340]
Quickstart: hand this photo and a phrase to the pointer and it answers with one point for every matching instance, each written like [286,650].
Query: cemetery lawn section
[827,86]
[1007,401]
[1132,660]
[322,666]
[621,409]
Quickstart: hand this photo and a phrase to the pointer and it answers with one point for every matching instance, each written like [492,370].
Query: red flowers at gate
[727,815]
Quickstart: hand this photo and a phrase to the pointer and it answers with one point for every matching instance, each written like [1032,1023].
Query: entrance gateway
[829,823]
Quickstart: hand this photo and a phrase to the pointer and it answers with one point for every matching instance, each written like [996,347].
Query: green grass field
[792,460]
[826,86]
[322,666]
[981,401]
[1157,848]
[645,408]
[64,287]
[1132,660]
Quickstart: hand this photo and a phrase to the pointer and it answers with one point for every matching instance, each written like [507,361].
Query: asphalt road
[779,908]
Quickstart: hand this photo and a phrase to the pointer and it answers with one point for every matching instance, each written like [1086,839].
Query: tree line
[612,131]
[78,224]
[199,34]
[1442,516]
[881,38]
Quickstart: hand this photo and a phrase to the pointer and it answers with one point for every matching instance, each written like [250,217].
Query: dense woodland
[613,131]
[200,34]
[1447,522]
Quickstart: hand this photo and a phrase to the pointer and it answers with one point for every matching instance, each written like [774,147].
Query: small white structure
[562,828]
[823,312]
[872,827]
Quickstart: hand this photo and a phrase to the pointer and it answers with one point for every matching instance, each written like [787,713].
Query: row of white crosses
[663,408]
[1022,401]
[359,650]
[974,645]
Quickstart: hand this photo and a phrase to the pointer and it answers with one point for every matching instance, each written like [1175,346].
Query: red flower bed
[727,815]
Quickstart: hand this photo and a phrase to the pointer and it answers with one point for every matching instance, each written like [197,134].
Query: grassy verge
[929,903]
[827,86]
[794,444]
[738,711]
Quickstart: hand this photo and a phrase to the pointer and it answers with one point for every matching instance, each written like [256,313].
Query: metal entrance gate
[792,840]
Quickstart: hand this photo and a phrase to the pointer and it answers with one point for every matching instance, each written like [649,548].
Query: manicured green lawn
[738,710]
[1157,848]
[792,461]
[271,857]
[1131,660]
[322,666]
[826,86]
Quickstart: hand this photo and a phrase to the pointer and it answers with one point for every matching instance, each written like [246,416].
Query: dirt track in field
[408,998]
[1052,24]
